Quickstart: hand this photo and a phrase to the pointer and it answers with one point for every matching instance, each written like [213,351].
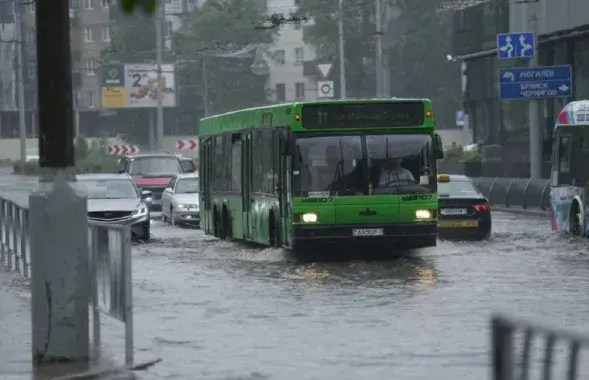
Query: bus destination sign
[358,115]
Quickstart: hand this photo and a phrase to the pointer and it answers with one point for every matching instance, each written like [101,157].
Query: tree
[359,41]
[217,30]
[416,41]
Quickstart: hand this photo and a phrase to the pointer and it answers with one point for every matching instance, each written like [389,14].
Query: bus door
[206,183]
[283,188]
[246,182]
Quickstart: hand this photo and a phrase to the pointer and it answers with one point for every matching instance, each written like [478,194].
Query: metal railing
[109,251]
[515,342]
[523,193]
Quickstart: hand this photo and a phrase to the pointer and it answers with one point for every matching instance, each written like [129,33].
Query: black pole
[54,84]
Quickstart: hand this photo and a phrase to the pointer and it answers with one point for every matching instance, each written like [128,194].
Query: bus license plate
[453,211]
[368,232]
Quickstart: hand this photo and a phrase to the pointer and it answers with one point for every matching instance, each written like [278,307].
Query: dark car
[153,172]
[463,211]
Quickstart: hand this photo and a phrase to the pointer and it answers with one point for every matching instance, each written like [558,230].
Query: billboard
[7,67]
[134,85]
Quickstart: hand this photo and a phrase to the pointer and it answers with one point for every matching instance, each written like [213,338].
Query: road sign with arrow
[535,82]
[515,45]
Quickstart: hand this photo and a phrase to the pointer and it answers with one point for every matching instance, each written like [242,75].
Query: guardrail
[510,334]
[522,193]
[109,253]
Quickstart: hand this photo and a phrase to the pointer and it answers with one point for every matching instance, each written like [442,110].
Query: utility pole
[58,219]
[19,43]
[378,34]
[386,73]
[159,42]
[533,112]
[205,85]
[342,62]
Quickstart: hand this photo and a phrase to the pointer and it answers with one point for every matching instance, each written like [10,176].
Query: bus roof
[574,113]
[281,113]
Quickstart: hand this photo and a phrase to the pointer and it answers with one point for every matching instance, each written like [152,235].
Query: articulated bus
[305,174]
[569,198]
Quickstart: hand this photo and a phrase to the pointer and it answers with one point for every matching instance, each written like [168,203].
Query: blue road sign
[459,118]
[535,82]
[516,45]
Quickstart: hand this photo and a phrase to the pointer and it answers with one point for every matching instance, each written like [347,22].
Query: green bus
[304,174]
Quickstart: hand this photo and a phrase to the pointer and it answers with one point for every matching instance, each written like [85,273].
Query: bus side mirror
[438,147]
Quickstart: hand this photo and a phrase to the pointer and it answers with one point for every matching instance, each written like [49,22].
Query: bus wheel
[225,224]
[215,223]
[273,232]
[576,224]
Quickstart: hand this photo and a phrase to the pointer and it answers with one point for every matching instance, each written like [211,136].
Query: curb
[539,213]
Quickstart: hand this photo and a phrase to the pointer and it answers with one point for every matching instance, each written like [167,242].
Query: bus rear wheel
[225,230]
[273,230]
[576,222]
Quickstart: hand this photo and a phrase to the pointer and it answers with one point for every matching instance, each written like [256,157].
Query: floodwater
[222,310]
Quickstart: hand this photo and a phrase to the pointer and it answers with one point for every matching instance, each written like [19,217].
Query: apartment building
[289,80]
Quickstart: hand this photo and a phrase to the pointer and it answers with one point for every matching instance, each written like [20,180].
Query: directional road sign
[516,45]
[535,82]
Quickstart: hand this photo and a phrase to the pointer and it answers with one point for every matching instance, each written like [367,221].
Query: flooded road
[219,310]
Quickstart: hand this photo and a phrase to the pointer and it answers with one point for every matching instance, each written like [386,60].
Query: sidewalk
[15,340]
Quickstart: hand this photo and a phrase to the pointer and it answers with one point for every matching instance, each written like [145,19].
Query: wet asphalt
[222,310]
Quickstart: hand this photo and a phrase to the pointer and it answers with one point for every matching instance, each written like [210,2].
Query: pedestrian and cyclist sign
[535,82]
[516,45]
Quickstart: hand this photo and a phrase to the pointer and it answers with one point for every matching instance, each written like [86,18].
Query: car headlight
[423,214]
[140,211]
[309,217]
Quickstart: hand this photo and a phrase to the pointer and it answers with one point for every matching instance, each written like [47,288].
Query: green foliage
[147,6]
[81,147]
[416,43]
[95,161]
[359,40]
[221,27]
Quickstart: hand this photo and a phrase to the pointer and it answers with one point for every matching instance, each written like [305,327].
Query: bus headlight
[423,214]
[309,217]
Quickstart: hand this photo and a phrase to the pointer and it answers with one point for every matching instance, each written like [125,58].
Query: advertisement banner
[135,85]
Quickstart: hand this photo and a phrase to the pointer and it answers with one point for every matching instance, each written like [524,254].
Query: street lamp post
[340,35]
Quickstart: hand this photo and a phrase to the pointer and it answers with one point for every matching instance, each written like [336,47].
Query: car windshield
[364,165]
[155,165]
[108,189]
[457,188]
[187,186]
[188,165]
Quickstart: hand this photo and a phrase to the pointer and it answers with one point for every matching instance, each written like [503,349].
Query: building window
[300,90]
[279,56]
[73,4]
[104,3]
[106,32]
[280,92]
[30,7]
[90,67]
[32,72]
[299,55]
[90,99]
[87,34]
[88,4]
[31,36]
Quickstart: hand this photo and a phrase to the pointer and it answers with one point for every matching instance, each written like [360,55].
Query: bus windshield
[379,164]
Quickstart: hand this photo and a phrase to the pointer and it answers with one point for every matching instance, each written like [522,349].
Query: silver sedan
[114,198]
[180,203]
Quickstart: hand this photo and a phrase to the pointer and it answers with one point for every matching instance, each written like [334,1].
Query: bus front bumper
[410,235]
